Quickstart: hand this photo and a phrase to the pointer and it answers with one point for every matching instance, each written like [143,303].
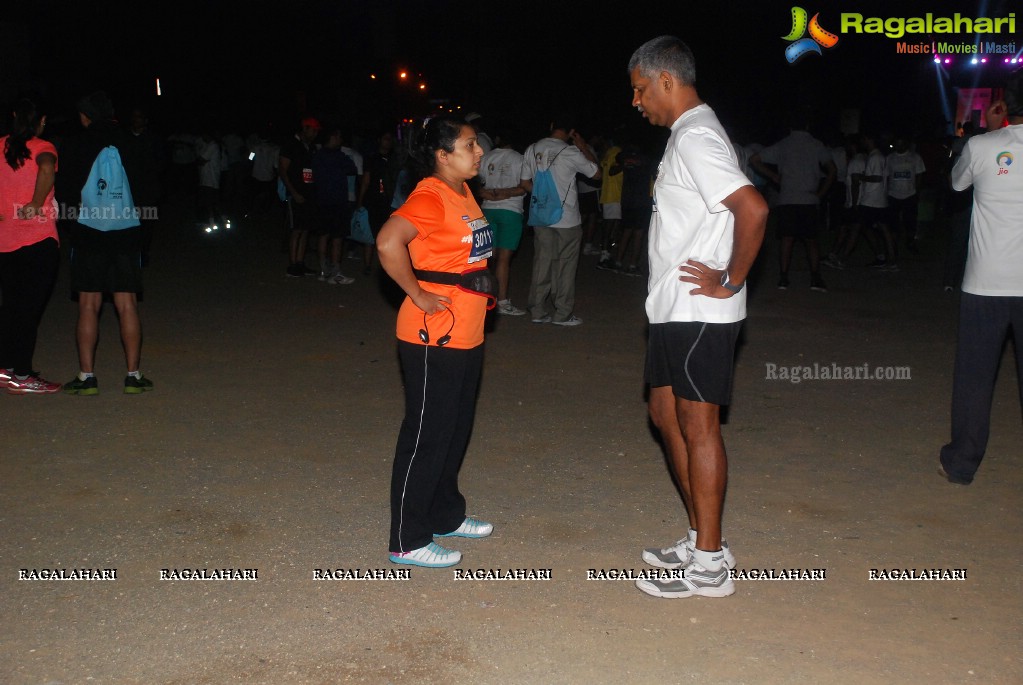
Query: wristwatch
[731,286]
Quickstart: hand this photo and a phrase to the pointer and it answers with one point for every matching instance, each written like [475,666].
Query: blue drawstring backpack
[361,231]
[107,204]
[546,205]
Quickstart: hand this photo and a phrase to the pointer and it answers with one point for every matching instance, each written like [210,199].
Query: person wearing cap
[102,261]
[992,298]
[296,172]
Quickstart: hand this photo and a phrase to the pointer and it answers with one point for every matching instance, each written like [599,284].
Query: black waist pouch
[479,281]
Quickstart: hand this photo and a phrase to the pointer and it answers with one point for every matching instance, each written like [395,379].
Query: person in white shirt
[210,160]
[557,247]
[706,229]
[502,206]
[903,168]
[992,297]
[800,160]
[874,203]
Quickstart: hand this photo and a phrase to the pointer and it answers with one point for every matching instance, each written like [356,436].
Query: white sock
[712,561]
[135,374]
[82,376]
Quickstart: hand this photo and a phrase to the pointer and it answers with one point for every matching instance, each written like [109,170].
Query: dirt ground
[267,445]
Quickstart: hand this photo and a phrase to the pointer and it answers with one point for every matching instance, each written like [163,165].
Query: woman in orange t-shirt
[29,254]
[438,233]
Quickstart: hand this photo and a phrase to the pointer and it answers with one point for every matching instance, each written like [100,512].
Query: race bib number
[482,240]
[307,175]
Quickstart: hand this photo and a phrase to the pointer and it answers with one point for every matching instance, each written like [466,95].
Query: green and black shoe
[137,386]
[90,386]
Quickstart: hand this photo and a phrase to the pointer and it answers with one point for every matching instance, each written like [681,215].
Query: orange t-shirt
[453,236]
[17,187]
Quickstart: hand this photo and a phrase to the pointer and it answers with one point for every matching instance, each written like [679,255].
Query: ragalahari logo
[802,46]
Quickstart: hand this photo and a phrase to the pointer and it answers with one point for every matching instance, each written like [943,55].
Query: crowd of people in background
[332,185]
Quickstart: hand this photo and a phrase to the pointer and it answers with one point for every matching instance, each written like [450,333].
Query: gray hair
[665,53]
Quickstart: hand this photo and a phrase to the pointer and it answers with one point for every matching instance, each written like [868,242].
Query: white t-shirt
[500,168]
[209,172]
[799,158]
[570,161]
[264,161]
[855,167]
[902,170]
[872,193]
[353,181]
[993,164]
[699,170]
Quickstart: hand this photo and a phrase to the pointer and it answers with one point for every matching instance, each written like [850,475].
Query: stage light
[937,60]
[422,86]
[373,77]
[983,60]
[973,61]
[403,75]
[948,60]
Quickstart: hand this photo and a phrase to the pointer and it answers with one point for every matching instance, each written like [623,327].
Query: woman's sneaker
[32,385]
[470,528]
[431,556]
[90,386]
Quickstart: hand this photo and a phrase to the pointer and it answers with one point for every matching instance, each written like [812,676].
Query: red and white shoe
[33,385]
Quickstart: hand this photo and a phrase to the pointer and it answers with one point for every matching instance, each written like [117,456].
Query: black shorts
[696,359]
[96,268]
[588,203]
[303,215]
[798,221]
[378,216]
[872,216]
[336,221]
[637,218]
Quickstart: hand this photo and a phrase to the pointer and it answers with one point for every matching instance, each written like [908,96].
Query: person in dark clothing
[332,169]
[102,261]
[296,171]
[376,190]
[145,147]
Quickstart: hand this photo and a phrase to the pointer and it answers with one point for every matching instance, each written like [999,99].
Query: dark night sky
[520,61]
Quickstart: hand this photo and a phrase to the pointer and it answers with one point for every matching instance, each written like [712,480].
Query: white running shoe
[431,556]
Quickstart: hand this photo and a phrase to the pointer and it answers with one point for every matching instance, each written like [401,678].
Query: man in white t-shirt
[903,168]
[874,202]
[557,247]
[992,298]
[706,229]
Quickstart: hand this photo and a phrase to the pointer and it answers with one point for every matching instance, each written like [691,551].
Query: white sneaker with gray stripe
[695,580]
